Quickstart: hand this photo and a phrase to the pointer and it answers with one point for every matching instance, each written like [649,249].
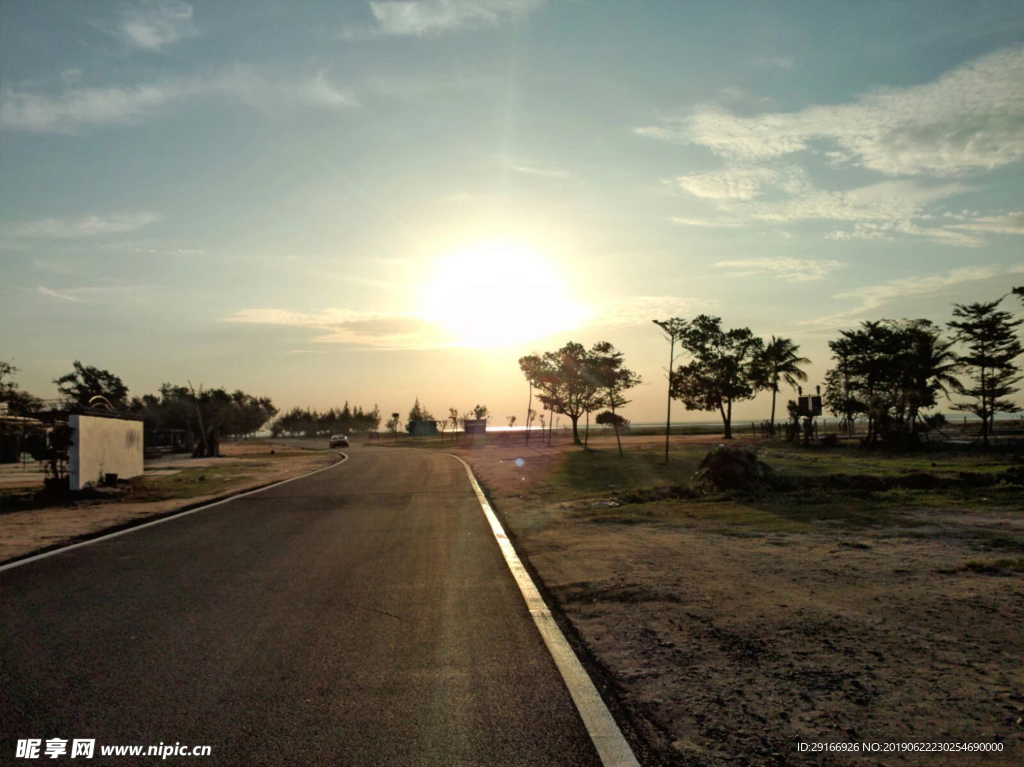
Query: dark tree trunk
[575,430]
[668,416]
[615,422]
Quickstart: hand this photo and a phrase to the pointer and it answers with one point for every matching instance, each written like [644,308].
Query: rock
[605,505]
[733,468]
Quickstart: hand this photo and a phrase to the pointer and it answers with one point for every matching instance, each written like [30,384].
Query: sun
[498,294]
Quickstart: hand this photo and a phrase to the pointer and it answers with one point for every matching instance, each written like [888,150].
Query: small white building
[104,447]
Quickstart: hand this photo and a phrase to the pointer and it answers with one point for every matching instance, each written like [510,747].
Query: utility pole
[673,330]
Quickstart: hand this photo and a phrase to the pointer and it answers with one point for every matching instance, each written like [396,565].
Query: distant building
[422,428]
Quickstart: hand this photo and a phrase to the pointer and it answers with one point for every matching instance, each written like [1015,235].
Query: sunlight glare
[499,294]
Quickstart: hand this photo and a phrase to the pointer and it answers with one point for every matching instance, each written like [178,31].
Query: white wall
[103,446]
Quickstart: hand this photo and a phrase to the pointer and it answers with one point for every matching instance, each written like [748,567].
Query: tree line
[209,415]
[304,422]
[887,373]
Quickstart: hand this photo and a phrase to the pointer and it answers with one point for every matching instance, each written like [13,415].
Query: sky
[378,201]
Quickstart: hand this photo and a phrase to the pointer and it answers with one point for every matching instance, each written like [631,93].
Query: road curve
[362,615]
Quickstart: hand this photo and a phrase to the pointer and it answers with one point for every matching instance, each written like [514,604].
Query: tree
[393,423]
[565,380]
[723,370]
[672,330]
[481,413]
[889,372]
[453,418]
[86,382]
[614,381]
[990,336]
[511,420]
[11,394]
[780,361]
[608,418]
[418,413]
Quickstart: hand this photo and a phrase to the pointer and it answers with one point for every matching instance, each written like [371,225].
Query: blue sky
[329,201]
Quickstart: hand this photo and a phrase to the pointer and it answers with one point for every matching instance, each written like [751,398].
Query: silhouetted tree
[565,381]
[418,413]
[723,370]
[889,371]
[614,381]
[990,335]
[780,361]
[609,419]
[394,423]
[672,330]
[86,382]
[22,401]
[453,418]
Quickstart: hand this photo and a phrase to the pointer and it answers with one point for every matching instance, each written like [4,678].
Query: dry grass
[735,627]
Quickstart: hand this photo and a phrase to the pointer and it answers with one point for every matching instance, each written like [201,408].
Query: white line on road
[608,738]
[179,515]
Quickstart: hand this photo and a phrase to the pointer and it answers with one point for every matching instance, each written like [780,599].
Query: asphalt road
[363,615]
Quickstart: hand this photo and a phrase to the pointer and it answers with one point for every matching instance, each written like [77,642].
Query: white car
[339,440]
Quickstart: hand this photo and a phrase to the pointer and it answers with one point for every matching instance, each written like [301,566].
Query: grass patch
[999,566]
[586,473]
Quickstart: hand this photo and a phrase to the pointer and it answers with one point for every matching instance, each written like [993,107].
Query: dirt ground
[734,632]
[173,485]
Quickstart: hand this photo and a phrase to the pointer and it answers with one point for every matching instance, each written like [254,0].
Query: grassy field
[869,597]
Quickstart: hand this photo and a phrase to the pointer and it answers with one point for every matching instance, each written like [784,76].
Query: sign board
[101,446]
[475,426]
[422,428]
[809,405]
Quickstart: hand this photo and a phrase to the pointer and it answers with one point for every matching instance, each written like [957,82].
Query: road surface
[362,615]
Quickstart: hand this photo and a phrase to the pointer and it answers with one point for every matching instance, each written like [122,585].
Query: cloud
[78,107]
[383,330]
[726,223]
[970,119]
[738,183]
[790,269]
[420,18]
[155,24]
[1011,223]
[872,297]
[81,226]
[347,326]
[50,293]
[94,292]
[641,310]
[877,211]
[885,201]
[533,170]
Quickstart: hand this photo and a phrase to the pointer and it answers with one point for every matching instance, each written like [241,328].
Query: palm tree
[931,366]
[781,362]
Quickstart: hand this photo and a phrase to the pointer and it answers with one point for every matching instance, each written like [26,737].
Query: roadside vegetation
[850,595]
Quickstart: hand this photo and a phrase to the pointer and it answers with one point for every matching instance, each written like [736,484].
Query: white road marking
[179,515]
[608,738]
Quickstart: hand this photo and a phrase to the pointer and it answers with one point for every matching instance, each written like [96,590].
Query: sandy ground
[25,532]
[735,648]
